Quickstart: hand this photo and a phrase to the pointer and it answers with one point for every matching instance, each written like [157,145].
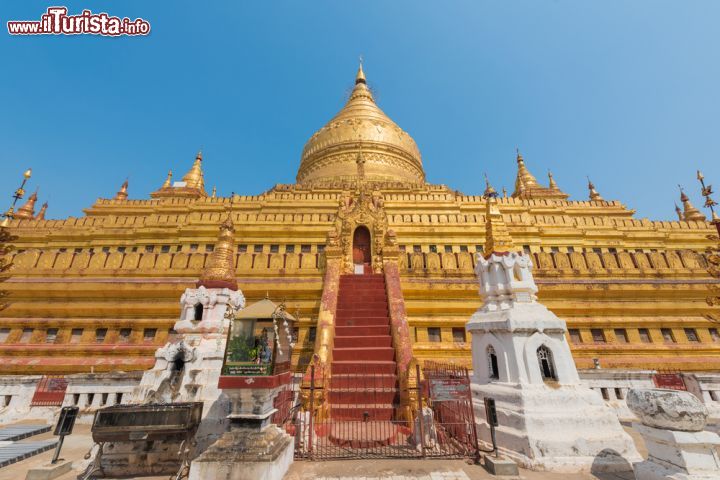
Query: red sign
[449,389]
[50,391]
[672,381]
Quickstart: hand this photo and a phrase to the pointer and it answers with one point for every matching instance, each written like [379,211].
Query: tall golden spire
[593,194]
[41,213]
[360,77]
[678,212]
[27,211]
[497,237]
[194,178]
[219,271]
[689,211]
[122,194]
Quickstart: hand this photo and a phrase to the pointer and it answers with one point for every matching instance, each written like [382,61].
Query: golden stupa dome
[361,142]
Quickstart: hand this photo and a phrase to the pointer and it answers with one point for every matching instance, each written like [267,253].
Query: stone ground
[77,445]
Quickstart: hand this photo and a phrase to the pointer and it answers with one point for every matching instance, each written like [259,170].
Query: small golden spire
[689,211]
[214,192]
[678,212]
[27,211]
[524,180]
[194,178]
[709,202]
[497,237]
[41,213]
[122,193]
[489,190]
[594,195]
[219,271]
[360,77]
[551,181]
[504,190]
[168,180]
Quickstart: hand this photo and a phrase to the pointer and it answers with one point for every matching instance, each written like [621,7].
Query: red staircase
[363,385]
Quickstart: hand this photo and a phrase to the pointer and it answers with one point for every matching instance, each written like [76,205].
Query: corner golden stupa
[99,293]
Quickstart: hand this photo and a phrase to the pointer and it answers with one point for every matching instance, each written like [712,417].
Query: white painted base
[678,455]
[557,428]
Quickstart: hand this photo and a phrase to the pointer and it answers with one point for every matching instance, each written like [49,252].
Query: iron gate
[372,414]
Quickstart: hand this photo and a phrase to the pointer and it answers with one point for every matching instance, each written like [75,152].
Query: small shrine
[260,341]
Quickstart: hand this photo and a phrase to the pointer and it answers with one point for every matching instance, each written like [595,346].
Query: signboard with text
[672,381]
[449,389]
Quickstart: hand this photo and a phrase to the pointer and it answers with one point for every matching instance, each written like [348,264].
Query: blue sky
[625,92]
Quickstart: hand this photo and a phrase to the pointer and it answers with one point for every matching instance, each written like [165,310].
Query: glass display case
[260,341]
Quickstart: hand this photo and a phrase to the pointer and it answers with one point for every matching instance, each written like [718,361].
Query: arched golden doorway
[361,249]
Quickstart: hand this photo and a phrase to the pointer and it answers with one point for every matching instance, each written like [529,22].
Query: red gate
[369,415]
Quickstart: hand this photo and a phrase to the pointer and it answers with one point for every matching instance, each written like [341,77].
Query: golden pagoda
[631,290]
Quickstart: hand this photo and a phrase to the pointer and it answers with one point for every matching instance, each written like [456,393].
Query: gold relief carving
[403,261]
[114,260]
[163,261]
[97,261]
[625,260]
[261,261]
[657,260]
[180,260]
[63,260]
[131,260]
[308,261]
[673,259]
[545,260]
[578,261]
[245,262]
[292,261]
[689,259]
[609,260]
[147,261]
[433,261]
[448,261]
[417,262]
[47,259]
[641,260]
[81,260]
[277,261]
[465,262]
[321,261]
[26,259]
[593,260]
[561,260]
[360,209]
[197,261]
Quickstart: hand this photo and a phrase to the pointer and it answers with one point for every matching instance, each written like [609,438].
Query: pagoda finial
[41,213]
[497,237]
[27,211]
[593,194]
[168,180]
[489,190]
[194,178]
[360,77]
[219,271]
[678,212]
[504,190]
[689,210]
[214,192]
[122,194]
[709,202]
[524,180]
[551,181]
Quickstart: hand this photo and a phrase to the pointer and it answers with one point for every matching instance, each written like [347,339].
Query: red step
[361,330]
[362,412]
[364,341]
[365,368]
[356,396]
[355,322]
[361,354]
[364,380]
